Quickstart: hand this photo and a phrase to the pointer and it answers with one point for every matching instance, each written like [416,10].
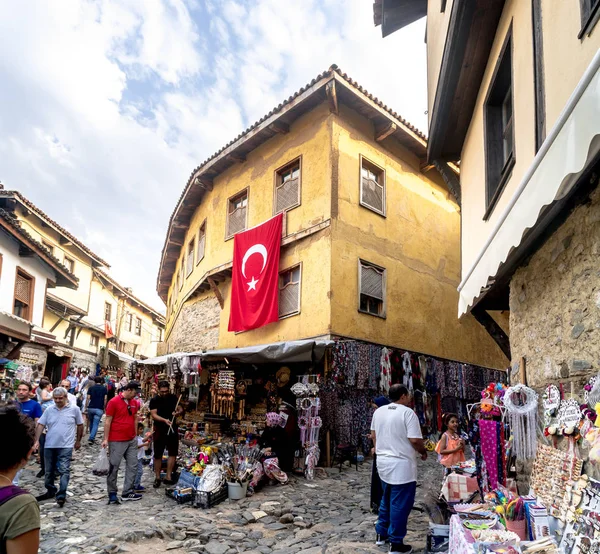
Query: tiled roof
[333,69]
[106,276]
[27,239]
[30,205]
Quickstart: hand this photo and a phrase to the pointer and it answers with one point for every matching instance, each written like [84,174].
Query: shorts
[169,441]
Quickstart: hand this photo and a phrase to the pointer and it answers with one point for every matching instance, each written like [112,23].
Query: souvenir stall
[228,393]
[556,433]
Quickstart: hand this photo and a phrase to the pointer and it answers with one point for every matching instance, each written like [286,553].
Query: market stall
[558,511]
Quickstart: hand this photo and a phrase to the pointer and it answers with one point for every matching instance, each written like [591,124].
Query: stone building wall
[555,303]
[196,327]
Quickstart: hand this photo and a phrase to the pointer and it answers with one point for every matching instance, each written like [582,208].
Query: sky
[106,107]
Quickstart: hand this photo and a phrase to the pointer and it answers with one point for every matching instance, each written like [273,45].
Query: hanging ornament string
[521,403]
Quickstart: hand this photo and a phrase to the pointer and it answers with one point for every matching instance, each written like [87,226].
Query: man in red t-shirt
[120,435]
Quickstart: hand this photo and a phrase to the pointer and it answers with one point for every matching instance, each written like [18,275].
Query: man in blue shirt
[73,381]
[29,407]
[65,429]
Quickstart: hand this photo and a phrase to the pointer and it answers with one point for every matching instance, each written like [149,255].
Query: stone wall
[555,303]
[81,359]
[196,327]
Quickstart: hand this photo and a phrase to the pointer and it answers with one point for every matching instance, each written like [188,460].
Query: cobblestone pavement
[327,515]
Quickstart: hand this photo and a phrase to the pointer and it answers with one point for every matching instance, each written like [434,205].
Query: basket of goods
[211,488]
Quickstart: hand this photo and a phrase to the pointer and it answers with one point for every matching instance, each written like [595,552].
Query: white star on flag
[252,284]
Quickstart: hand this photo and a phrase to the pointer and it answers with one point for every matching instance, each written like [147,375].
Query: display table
[461,541]
[458,488]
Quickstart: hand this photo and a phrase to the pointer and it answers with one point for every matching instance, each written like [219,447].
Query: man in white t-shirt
[396,433]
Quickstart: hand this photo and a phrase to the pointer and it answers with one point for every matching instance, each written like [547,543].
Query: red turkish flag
[255,279]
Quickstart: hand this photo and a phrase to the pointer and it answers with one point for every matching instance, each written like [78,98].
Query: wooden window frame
[383,314]
[198,257]
[539,79]
[590,14]
[182,271]
[189,267]
[497,170]
[30,306]
[362,159]
[94,343]
[291,268]
[109,311]
[277,184]
[72,270]
[129,322]
[48,245]
[231,199]
[138,326]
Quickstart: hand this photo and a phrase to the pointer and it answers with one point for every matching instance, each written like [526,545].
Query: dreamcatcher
[308,404]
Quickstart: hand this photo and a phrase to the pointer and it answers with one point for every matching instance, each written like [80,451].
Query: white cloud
[107,106]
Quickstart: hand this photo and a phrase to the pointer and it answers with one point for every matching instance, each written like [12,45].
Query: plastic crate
[173,492]
[206,500]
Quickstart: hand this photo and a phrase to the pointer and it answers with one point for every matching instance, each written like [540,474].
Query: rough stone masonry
[555,303]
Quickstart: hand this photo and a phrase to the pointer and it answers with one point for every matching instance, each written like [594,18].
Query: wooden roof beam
[279,127]
[237,157]
[176,242]
[385,131]
[204,183]
[332,96]
[216,291]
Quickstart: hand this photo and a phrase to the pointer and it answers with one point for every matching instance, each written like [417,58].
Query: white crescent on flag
[255,249]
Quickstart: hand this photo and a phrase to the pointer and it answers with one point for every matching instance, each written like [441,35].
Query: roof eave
[393,15]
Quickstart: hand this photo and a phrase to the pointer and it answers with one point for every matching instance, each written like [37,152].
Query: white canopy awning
[570,146]
[162,360]
[15,326]
[122,356]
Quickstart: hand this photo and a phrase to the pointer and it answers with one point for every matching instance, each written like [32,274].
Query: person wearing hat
[120,436]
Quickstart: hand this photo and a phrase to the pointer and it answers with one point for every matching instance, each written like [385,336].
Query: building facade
[27,272]
[370,247]
[85,329]
[514,94]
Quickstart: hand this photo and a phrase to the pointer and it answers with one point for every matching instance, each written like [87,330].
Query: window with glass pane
[138,326]
[129,322]
[289,292]
[94,340]
[23,301]
[181,274]
[190,257]
[201,243]
[372,186]
[107,311]
[236,214]
[48,246]
[287,192]
[372,289]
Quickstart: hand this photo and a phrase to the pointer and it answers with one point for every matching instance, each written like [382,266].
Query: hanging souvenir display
[569,416]
[223,392]
[241,389]
[386,372]
[521,403]
[308,405]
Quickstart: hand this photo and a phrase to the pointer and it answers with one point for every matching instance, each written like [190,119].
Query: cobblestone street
[330,514]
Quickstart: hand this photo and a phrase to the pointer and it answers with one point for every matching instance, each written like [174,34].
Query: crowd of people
[52,423]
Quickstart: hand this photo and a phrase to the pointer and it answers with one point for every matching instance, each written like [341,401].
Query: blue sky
[107,106]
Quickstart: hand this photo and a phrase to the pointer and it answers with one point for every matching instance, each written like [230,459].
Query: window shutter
[372,194]
[289,299]
[201,246]
[371,281]
[23,289]
[288,195]
[237,221]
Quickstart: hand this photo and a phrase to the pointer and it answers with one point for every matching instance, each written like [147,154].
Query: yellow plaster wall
[417,243]
[565,60]
[309,138]
[437,30]
[148,340]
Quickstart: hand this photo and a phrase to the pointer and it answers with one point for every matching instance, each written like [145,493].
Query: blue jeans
[58,460]
[396,503]
[139,474]
[94,415]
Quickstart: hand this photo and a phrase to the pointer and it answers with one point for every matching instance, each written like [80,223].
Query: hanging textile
[407,379]
[488,432]
[386,371]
